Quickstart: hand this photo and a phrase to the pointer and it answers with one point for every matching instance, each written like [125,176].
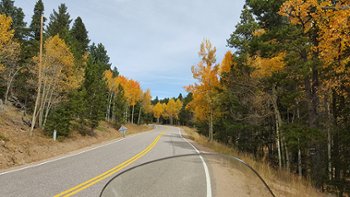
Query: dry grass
[281,182]
[17,147]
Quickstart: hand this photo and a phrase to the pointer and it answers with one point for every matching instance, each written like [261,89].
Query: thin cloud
[153,41]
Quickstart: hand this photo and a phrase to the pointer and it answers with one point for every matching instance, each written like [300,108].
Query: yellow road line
[110,172]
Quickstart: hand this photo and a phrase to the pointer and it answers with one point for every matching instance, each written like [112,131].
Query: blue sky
[153,41]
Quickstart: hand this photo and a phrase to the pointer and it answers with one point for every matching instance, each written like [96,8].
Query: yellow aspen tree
[123,81]
[112,85]
[178,107]
[145,104]
[133,95]
[171,110]
[9,54]
[158,111]
[331,19]
[58,76]
[204,92]
[226,63]
[165,113]
[265,67]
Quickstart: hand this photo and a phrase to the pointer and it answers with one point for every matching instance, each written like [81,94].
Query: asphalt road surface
[86,173]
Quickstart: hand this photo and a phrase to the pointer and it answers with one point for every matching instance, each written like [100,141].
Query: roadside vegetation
[281,182]
[53,78]
[17,147]
[280,95]
[60,81]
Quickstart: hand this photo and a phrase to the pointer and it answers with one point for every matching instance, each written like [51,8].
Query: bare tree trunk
[39,77]
[9,84]
[43,103]
[287,157]
[300,172]
[132,114]
[113,110]
[108,113]
[329,138]
[211,129]
[278,122]
[48,108]
[157,120]
[139,118]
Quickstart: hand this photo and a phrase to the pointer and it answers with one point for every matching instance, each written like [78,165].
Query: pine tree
[35,24]
[95,86]
[59,23]
[80,40]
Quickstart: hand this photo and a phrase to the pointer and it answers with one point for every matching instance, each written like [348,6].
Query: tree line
[284,93]
[72,85]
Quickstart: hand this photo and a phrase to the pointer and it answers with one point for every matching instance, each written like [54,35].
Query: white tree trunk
[211,129]
[37,100]
[329,140]
[9,84]
[278,122]
[139,118]
[48,108]
[300,172]
[132,114]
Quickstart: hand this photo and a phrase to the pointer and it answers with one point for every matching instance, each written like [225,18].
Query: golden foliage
[158,110]
[265,67]
[132,90]
[259,32]
[333,34]
[9,49]
[173,108]
[208,82]
[6,33]
[226,63]
[58,65]
[146,101]
[112,82]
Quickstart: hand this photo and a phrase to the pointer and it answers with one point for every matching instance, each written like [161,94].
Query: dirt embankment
[17,147]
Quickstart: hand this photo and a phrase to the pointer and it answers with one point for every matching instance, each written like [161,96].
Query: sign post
[123,130]
[54,135]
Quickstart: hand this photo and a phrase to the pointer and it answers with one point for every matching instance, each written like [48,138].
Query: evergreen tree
[60,23]
[80,40]
[95,86]
[30,48]
[118,108]
[98,54]
[185,116]
[36,20]
[60,120]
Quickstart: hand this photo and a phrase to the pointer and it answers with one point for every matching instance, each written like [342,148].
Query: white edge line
[206,170]
[63,157]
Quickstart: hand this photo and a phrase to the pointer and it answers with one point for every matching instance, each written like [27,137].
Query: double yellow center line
[110,172]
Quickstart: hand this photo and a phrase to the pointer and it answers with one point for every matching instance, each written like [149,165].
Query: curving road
[85,173]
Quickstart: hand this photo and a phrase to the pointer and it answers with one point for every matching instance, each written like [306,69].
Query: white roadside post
[54,135]
[123,130]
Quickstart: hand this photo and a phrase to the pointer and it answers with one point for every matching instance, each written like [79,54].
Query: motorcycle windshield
[202,175]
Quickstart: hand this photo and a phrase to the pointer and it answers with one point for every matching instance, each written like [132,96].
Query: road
[86,173]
